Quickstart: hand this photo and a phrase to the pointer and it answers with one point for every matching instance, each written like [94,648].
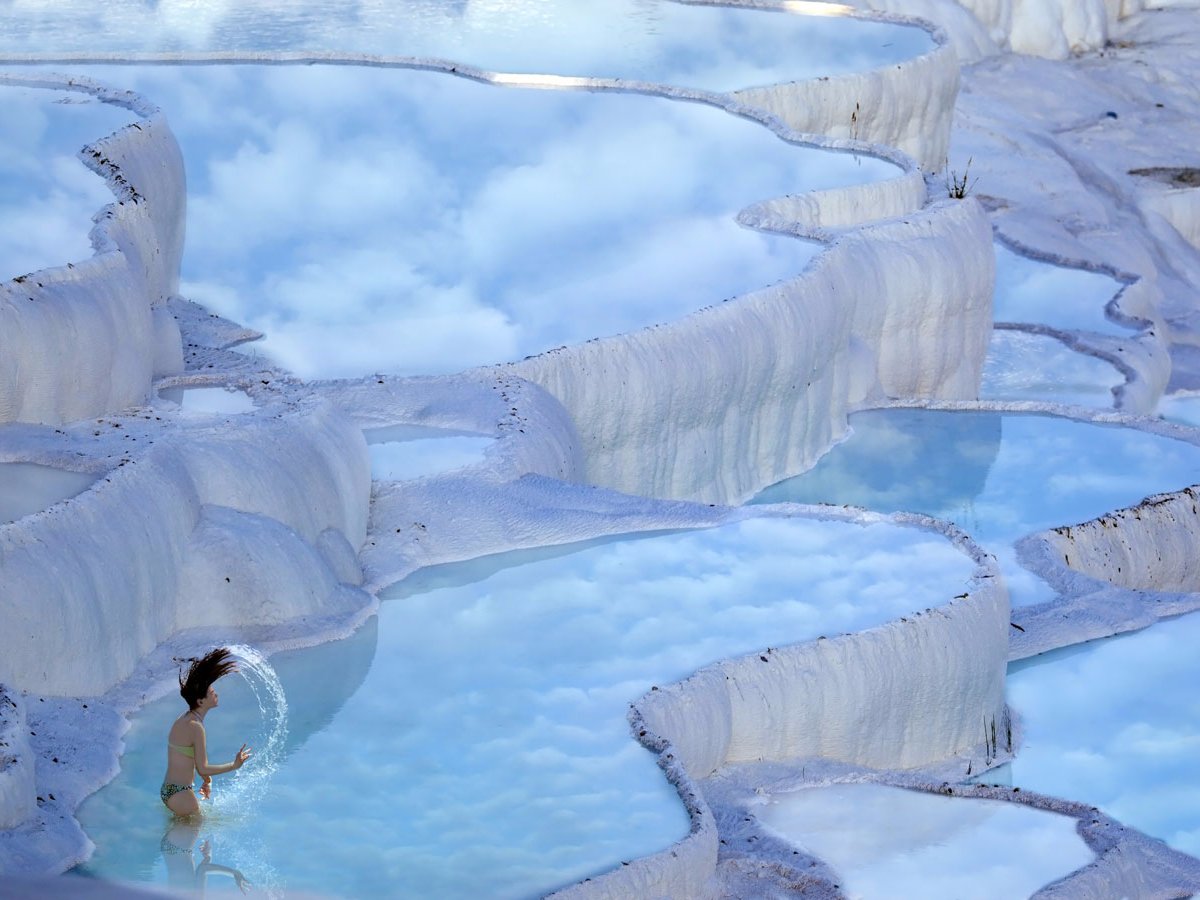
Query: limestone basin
[889,842]
[27,488]
[209,401]
[404,452]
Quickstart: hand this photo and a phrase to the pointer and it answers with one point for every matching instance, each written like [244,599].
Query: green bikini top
[186,751]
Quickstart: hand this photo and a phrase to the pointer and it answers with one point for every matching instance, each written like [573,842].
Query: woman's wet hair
[203,672]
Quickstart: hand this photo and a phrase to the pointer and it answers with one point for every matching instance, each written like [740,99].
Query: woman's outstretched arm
[202,765]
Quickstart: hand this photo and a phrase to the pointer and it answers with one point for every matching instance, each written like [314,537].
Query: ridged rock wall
[909,106]
[717,405]
[1052,29]
[1148,547]
[211,527]
[17,792]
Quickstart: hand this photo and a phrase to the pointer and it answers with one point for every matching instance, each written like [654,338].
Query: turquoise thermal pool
[1116,724]
[708,47]
[486,751]
[998,476]
[1024,366]
[47,196]
[26,488]
[888,842]
[469,224]
[471,739]
[1182,408]
[409,451]
[1035,292]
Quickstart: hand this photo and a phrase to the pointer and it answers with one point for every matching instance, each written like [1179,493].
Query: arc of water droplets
[249,784]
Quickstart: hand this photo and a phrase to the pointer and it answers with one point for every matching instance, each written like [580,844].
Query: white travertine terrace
[209,528]
[1052,29]
[821,347]
[820,214]
[1180,207]
[90,336]
[792,703]
[266,525]
[908,106]
[17,788]
[1148,547]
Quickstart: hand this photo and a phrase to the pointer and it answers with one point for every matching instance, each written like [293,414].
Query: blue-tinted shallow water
[1117,724]
[486,751]
[413,222]
[997,476]
[47,197]
[402,452]
[208,401]
[887,842]
[713,48]
[27,488]
[1181,408]
[1023,366]
[1035,292]
[471,740]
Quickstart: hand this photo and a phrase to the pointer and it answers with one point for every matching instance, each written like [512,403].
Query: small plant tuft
[957,187]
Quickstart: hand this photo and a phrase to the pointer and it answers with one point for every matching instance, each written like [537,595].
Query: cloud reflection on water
[487,752]
[47,196]
[1024,366]
[413,222]
[714,48]
[889,842]
[997,476]
[1117,724]
[1028,290]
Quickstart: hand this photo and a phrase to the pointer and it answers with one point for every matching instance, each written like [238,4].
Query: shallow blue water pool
[402,452]
[949,848]
[1031,291]
[416,223]
[473,742]
[1024,366]
[714,48]
[47,197]
[998,476]
[1116,724]
[27,488]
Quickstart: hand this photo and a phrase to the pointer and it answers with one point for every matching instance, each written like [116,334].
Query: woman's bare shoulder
[186,727]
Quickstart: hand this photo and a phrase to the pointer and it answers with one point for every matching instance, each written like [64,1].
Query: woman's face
[211,699]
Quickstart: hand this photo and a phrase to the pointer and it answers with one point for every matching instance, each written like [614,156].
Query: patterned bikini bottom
[168,790]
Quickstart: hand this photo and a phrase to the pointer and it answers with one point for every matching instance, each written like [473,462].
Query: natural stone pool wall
[1148,547]
[909,693]
[208,528]
[719,404]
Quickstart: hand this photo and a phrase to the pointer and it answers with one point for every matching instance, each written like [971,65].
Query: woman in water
[187,751]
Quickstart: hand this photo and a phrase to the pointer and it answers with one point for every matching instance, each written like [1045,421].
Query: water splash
[246,787]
